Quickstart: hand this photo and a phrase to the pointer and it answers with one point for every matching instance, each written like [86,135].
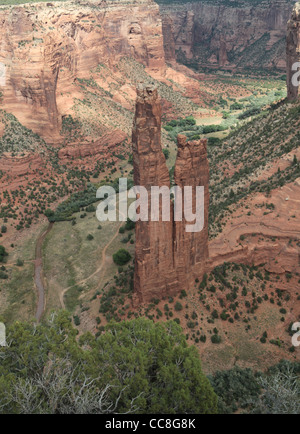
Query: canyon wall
[237,35]
[293,52]
[168,259]
[46,47]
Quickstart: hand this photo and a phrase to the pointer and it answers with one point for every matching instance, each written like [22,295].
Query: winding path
[63,293]
[39,275]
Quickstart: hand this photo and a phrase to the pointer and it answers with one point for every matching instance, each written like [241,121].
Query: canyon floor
[242,310]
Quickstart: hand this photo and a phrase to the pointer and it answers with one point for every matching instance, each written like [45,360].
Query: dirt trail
[38,273]
[103,261]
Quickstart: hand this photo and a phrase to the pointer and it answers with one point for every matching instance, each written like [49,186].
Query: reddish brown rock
[106,142]
[212,33]
[293,52]
[191,248]
[18,166]
[223,57]
[260,238]
[154,259]
[167,259]
[46,48]
[169,41]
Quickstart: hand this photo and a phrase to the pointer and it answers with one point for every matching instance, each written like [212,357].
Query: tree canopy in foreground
[134,367]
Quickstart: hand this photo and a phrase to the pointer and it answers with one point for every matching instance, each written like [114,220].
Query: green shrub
[3,254]
[166,153]
[122,257]
[178,306]
[190,324]
[130,225]
[76,320]
[216,339]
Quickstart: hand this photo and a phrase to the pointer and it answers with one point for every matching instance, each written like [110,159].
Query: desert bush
[122,257]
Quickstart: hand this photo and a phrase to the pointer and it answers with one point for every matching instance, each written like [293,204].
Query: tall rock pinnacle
[167,258]
[154,260]
[191,248]
[293,52]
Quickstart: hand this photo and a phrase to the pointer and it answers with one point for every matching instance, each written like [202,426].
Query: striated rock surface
[105,143]
[191,248]
[228,34]
[17,166]
[293,52]
[261,238]
[154,259]
[167,258]
[45,47]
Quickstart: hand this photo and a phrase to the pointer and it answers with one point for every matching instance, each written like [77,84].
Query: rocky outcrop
[18,166]
[106,142]
[259,238]
[168,258]
[228,34]
[45,47]
[293,53]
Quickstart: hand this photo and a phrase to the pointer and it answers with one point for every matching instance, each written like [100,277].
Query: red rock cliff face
[45,47]
[167,258]
[238,35]
[293,52]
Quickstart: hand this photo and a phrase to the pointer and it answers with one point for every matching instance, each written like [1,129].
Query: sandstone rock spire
[293,52]
[191,248]
[168,258]
[154,250]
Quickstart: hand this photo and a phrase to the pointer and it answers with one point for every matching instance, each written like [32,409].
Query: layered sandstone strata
[107,142]
[293,53]
[168,258]
[18,166]
[45,47]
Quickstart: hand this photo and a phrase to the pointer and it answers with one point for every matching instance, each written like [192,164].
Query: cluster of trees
[250,112]
[187,122]
[81,199]
[188,127]
[73,204]
[134,367]
[276,392]
[213,129]
[3,253]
